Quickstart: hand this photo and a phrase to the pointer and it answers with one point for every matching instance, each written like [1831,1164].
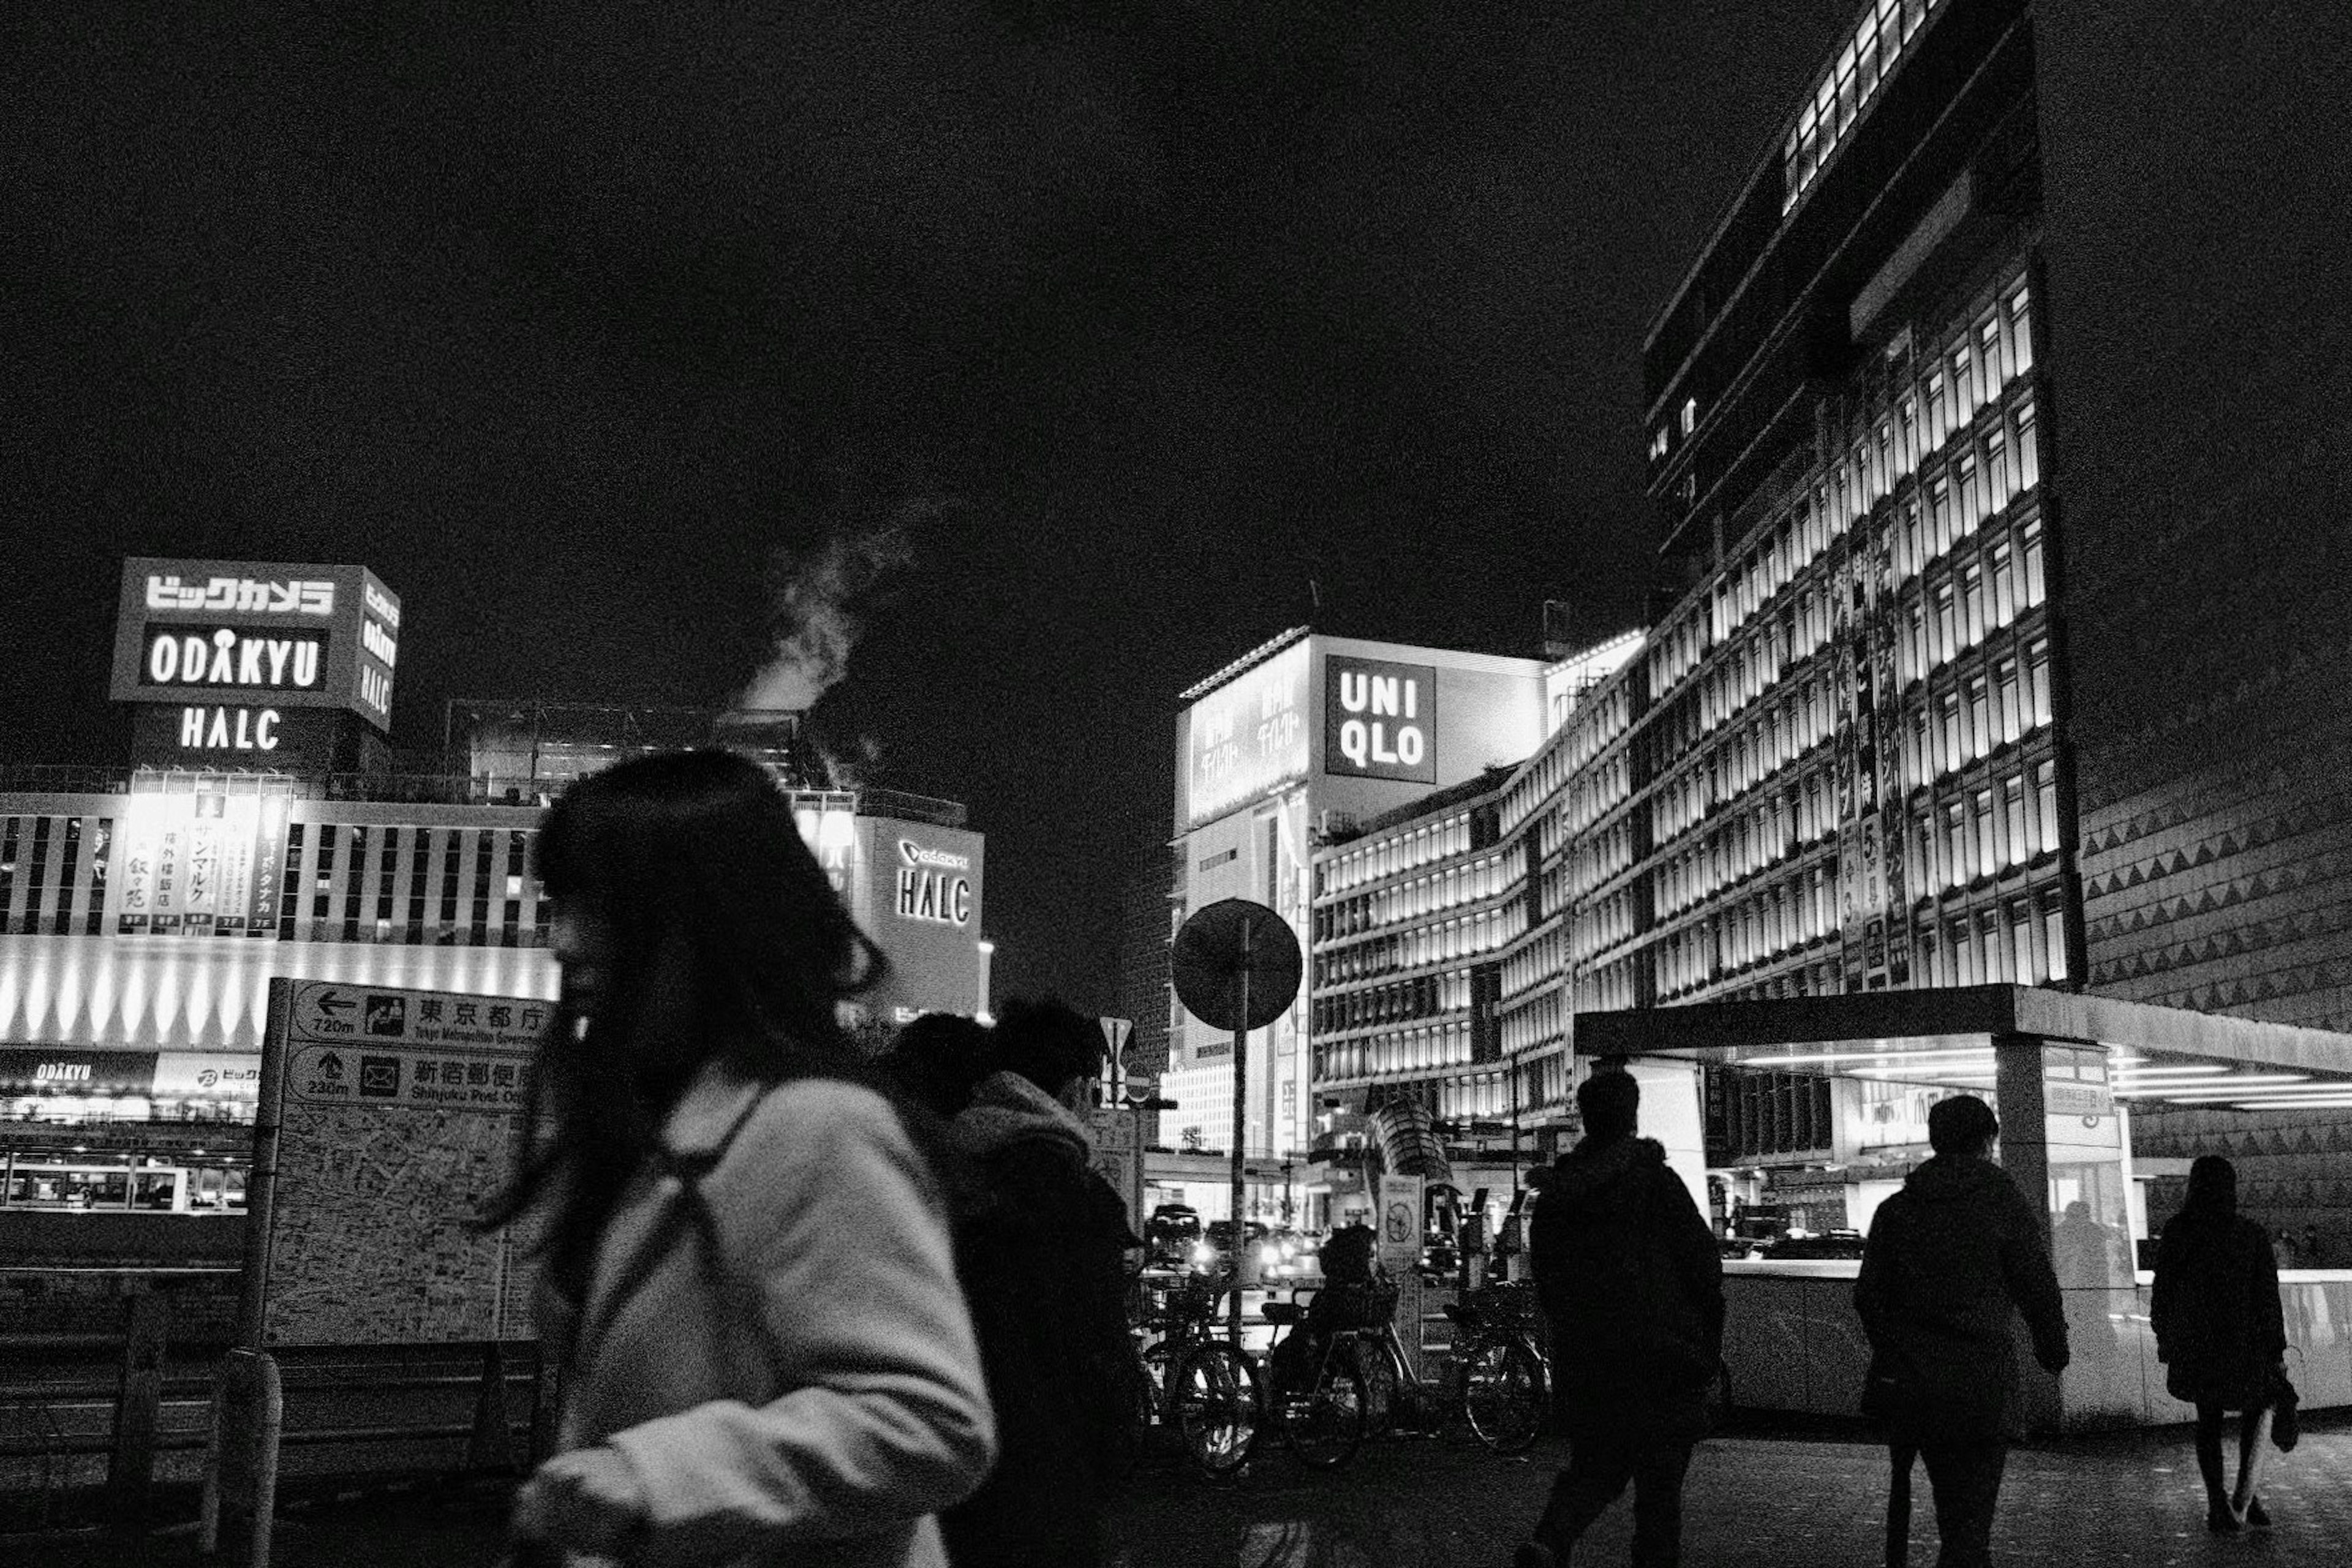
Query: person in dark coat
[1041,1243]
[1632,1285]
[2219,1331]
[1949,1257]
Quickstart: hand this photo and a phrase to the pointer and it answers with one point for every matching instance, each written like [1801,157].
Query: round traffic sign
[1216,946]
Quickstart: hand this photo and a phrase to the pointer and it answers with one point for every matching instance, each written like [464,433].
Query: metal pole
[1241,1101]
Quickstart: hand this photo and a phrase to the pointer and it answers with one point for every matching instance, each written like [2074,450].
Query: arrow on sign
[333,1002]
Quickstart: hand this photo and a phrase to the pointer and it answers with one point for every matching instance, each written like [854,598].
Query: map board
[396,1115]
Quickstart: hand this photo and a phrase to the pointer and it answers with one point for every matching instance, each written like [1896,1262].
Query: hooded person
[1041,1253]
[1629,1274]
[2221,1331]
[1951,1256]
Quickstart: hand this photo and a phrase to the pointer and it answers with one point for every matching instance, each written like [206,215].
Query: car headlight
[1203,1252]
[1269,1255]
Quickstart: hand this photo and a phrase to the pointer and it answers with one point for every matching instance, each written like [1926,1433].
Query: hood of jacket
[1600,1174]
[1008,1109]
[1948,1178]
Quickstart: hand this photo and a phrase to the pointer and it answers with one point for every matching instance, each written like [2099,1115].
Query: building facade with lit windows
[1851,768]
[145,908]
[1998,633]
[1567,814]
[1410,915]
[1298,743]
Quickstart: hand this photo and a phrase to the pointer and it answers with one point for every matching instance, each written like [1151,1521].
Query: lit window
[1690,415]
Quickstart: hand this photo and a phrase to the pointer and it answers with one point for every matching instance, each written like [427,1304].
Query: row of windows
[1982,356]
[1978,713]
[2016,942]
[1411,949]
[1538,1021]
[1592,729]
[1417,1049]
[2008,821]
[1846,89]
[1600,926]
[1533,964]
[1455,886]
[48,885]
[1392,853]
[1769,921]
[1788,727]
[1423,996]
[1985,591]
[1999,461]
[1772,829]
[1601,789]
[465,887]
[1606,853]
[1476,1097]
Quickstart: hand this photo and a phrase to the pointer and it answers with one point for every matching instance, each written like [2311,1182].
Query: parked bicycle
[1501,1356]
[1189,1379]
[1360,1381]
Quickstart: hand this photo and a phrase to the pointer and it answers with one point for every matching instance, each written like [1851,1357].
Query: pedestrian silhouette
[2220,1333]
[1040,1243]
[1949,1257]
[1630,1277]
[747,1276]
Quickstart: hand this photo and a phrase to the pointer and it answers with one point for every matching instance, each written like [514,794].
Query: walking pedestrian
[2283,1248]
[1042,1256]
[748,1280]
[2221,1332]
[2311,1251]
[1629,1274]
[1949,1257]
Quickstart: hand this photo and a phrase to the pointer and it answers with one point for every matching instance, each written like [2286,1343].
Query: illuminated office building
[1291,746]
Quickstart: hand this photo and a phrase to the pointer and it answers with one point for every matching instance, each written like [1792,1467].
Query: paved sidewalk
[1813,1498]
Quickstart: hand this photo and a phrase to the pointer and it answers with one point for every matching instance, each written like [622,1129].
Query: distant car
[1288,1254]
[1441,1259]
[1171,1234]
[1213,1253]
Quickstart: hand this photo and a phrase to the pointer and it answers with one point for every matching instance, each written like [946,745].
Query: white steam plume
[812,623]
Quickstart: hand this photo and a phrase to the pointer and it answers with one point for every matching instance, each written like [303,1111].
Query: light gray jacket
[810,1394]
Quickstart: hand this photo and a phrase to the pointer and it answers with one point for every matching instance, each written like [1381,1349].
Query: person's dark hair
[1964,1124]
[938,1058]
[1047,1042]
[728,941]
[2212,1186]
[1611,1103]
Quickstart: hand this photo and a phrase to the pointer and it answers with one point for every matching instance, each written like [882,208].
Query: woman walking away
[2219,1332]
[747,1277]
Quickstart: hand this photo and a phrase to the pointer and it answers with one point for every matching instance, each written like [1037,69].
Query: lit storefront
[2069,1075]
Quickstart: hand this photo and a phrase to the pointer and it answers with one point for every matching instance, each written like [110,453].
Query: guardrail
[110,1409]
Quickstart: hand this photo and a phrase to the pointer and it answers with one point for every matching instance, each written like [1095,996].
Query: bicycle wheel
[1216,1409]
[1503,1395]
[1324,1423]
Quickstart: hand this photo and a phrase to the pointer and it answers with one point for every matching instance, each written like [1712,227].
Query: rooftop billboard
[230,635]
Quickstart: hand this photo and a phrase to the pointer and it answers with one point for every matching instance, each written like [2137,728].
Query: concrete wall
[1791,1342]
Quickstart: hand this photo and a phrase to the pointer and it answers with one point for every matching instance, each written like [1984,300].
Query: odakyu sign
[226,631]
[1380,720]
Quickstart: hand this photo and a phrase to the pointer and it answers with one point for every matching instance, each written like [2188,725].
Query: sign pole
[1241,1099]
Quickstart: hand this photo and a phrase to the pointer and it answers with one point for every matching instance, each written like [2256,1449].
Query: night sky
[1158,328]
